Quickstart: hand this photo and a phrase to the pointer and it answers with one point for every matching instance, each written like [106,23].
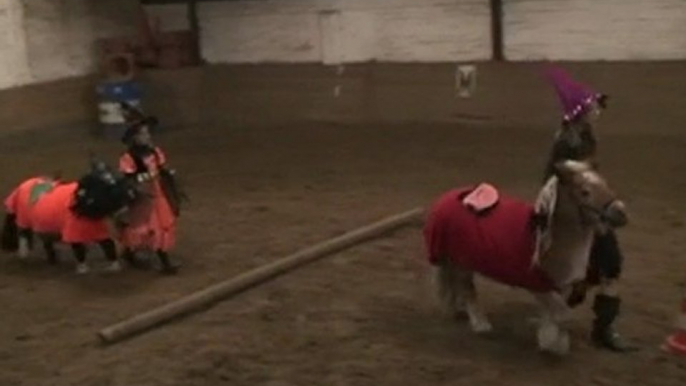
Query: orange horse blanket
[43,206]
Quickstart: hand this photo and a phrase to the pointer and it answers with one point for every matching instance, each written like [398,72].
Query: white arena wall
[345,31]
[45,40]
[626,30]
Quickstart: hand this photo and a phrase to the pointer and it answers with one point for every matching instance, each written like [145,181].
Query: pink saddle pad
[482,198]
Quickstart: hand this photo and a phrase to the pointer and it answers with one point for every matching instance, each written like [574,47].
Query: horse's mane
[544,206]
[100,193]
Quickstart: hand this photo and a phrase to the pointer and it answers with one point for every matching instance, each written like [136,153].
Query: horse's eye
[585,193]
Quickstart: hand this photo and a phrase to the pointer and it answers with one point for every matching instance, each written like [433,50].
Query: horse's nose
[616,215]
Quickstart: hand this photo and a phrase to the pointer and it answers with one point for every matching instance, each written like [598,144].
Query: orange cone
[676,343]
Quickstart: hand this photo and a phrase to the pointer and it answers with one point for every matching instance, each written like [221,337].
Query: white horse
[543,248]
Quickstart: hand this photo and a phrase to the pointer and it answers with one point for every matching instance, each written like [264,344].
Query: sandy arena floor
[362,317]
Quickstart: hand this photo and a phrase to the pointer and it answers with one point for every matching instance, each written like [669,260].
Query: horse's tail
[434,236]
[10,234]
[9,238]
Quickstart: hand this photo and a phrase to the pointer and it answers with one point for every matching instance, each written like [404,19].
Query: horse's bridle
[603,213]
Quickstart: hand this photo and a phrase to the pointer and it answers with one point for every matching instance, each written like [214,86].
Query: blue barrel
[110,93]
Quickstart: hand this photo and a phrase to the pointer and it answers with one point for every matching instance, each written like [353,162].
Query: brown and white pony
[542,247]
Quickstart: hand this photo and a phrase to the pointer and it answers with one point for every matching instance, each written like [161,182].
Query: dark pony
[75,212]
[102,192]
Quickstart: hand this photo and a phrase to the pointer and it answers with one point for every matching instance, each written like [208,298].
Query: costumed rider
[152,222]
[576,140]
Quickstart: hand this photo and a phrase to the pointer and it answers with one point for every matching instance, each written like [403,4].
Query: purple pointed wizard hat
[575,97]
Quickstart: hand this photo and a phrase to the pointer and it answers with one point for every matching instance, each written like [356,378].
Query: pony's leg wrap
[49,247]
[110,250]
[477,317]
[25,242]
[463,283]
[446,291]
[551,335]
[79,251]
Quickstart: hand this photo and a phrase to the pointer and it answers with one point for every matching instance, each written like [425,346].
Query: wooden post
[195,29]
[222,290]
[497,29]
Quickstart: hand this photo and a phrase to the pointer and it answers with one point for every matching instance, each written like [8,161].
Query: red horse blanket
[498,243]
[42,205]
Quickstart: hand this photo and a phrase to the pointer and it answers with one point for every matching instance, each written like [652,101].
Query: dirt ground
[362,317]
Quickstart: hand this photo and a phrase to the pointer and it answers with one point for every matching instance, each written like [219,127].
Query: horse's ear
[92,160]
[96,164]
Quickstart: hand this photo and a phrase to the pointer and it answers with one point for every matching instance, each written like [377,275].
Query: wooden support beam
[194,23]
[497,29]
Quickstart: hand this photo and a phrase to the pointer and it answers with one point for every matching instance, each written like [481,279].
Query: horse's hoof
[82,269]
[548,335]
[553,340]
[561,346]
[481,326]
[23,251]
[114,267]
